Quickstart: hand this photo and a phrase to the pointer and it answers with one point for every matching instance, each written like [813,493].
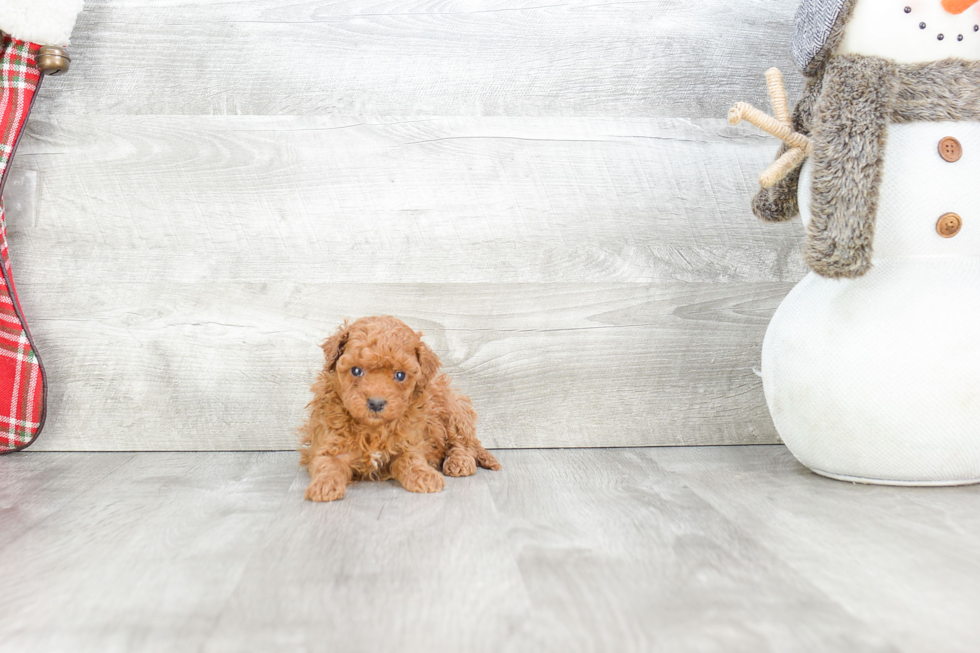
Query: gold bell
[53,60]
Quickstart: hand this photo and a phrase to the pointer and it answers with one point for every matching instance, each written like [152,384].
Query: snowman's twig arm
[778,203]
[784,132]
[782,167]
[777,92]
[781,127]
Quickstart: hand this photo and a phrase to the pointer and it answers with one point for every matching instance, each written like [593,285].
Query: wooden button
[949,225]
[950,149]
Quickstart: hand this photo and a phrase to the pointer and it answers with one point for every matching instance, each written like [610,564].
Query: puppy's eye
[356,371]
[399,376]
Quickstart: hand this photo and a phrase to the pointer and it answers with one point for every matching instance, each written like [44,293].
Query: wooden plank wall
[549,190]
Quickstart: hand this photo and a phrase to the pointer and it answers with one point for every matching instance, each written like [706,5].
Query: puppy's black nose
[376,405]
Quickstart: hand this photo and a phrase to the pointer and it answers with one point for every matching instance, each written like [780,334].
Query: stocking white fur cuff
[45,22]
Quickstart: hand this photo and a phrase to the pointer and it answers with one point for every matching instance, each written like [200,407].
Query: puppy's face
[380,365]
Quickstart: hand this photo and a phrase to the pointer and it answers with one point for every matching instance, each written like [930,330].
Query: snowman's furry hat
[819,28]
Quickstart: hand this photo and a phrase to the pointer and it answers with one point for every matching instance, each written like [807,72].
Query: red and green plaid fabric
[22,387]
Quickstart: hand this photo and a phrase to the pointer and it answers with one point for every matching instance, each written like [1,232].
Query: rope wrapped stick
[780,126]
[777,93]
[782,166]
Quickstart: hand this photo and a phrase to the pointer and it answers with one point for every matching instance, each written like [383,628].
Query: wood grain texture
[186,315]
[328,577]
[902,562]
[143,560]
[428,57]
[31,492]
[210,366]
[550,191]
[618,554]
[20,196]
[389,200]
[713,549]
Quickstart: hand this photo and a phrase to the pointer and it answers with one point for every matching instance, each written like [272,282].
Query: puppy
[380,410]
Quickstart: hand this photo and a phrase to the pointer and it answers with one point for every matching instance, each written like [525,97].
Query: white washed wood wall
[549,190]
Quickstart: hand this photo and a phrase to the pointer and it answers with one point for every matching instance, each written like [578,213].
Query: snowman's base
[877,379]
[886,481]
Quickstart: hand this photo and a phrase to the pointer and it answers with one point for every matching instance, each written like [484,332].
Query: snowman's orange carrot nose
[958,6]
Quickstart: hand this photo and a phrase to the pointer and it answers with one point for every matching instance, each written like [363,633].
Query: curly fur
[424,427]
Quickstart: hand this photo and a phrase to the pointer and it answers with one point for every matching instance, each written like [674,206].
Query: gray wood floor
[674,549]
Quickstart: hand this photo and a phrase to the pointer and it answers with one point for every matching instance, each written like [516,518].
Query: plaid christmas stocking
[22,382]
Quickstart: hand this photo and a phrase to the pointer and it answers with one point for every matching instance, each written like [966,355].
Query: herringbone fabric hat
[819,25]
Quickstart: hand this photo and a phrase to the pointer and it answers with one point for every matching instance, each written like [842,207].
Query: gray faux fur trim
[941,90]
[779,203]
[848,133]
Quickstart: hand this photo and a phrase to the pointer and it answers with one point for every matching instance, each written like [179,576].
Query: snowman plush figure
[871,365]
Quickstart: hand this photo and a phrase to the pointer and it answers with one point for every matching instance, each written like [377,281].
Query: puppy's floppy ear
[429,363]
[333,347]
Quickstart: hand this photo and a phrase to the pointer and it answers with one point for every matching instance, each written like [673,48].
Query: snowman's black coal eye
[356,371]
[940,37]
[922,25]
[908,10]
[959,37]
[399,376]
[976,28]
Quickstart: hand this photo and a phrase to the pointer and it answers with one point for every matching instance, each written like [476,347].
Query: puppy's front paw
[459,464]
[486,460]
[423,479]
[326,487]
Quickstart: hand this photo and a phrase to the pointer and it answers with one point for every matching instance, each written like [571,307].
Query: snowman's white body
[877,379]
